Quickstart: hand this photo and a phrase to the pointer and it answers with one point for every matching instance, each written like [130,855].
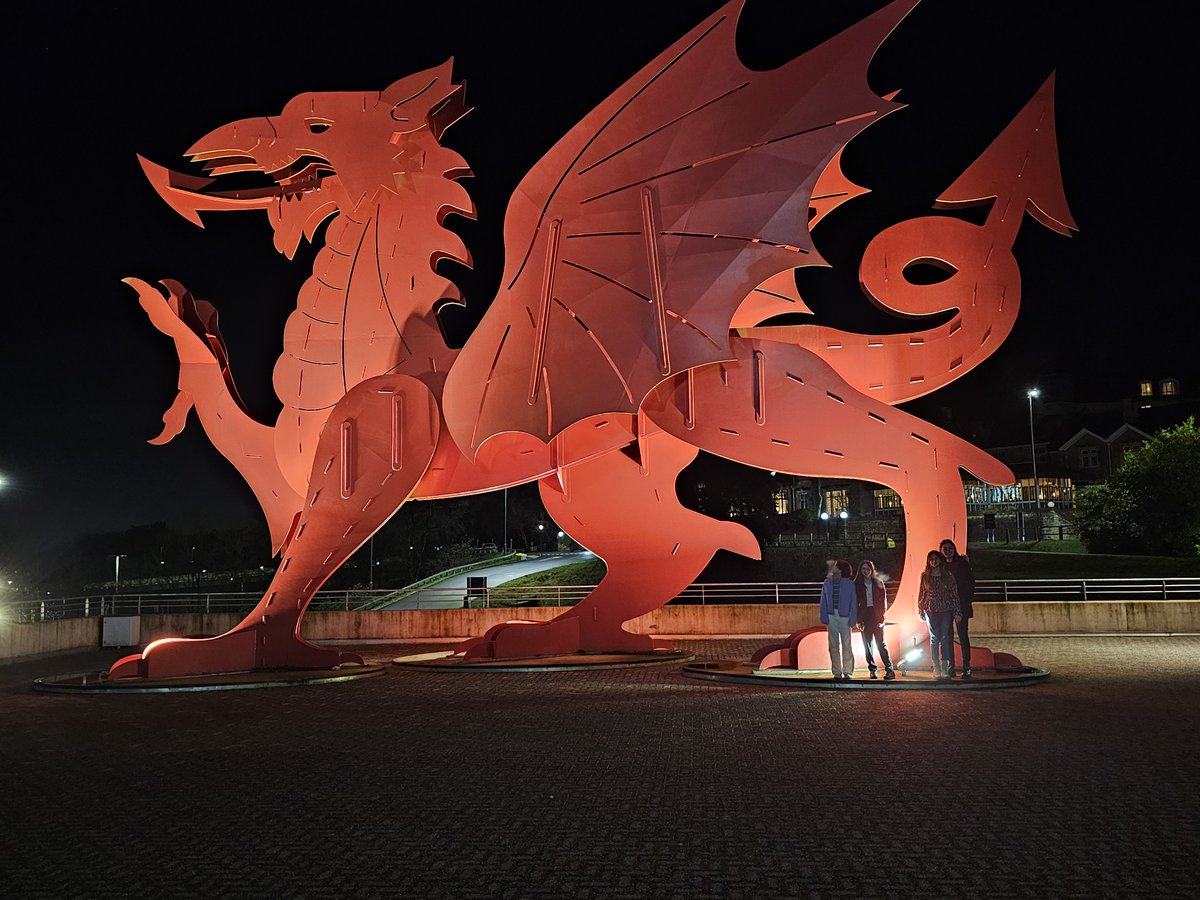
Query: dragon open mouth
[240,178]
[298,176]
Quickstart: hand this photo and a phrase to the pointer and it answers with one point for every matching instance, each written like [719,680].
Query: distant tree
[416,542]
[1151,504]
[525,513]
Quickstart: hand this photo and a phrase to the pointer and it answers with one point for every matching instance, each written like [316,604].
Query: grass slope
[587,572]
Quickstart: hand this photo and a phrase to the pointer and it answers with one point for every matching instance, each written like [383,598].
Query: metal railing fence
[1026,589]
[987,590]
[52,609]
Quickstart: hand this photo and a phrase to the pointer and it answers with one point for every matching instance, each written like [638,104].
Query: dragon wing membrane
[632,243]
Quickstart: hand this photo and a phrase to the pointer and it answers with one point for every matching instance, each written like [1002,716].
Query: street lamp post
[117,573]
[1037,491]
[844,516]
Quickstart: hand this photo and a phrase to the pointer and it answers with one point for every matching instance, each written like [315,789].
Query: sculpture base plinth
[100,683]
[912,679]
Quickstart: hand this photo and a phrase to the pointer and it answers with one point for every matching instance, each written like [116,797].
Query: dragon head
[327,153]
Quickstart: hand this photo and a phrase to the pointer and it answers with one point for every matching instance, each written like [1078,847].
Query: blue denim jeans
[941,637]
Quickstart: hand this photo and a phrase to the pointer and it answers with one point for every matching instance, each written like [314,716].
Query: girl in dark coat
[964,579]
[937,603]
[872,604]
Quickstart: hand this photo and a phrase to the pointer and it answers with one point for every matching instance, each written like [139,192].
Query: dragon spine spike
[1020,166]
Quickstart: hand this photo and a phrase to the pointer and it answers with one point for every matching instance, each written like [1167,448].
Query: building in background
[1076,443]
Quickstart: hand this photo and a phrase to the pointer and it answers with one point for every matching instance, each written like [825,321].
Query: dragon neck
[382,258]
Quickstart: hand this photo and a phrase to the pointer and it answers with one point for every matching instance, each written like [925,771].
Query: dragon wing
[631,244]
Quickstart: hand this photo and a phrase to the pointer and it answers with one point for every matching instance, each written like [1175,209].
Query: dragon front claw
[179,317]
[240,650]
[174,419]
[191,324]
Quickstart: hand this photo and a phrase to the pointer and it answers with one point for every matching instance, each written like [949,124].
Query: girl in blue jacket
[839,611]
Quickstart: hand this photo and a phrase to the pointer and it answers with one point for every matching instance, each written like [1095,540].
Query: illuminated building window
[836,501]
[887,499]
[979,494]
[1147,389]
[1169,387]
[1054,488]
[799,498]
[1089,458]
[781,503]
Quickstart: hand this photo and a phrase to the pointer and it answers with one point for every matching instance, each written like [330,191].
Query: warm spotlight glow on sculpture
[642,253]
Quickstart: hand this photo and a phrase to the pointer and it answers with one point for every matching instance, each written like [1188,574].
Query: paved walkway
[634,783]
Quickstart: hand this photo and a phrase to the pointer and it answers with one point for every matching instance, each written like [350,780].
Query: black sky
[85,377]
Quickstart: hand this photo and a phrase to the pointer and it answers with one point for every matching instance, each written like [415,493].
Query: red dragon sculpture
[642,251]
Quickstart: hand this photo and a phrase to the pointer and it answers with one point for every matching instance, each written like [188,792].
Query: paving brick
[628,783]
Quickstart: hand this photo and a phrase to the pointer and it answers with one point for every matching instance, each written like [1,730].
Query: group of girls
[944,601]
[849,600]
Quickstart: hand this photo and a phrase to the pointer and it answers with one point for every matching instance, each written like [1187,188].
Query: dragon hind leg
[375,447]
[626,511]
[781,407]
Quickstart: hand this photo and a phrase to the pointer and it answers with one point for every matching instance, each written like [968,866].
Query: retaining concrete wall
[19,641]
[739,618]
[415,623]
[1044,617]
[1088,617]
[1078,617]
[186,624]
[1083,617]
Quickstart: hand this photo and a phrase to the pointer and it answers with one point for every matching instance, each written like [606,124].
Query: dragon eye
[318,126]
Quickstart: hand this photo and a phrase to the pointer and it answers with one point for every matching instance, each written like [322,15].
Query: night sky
[86,378]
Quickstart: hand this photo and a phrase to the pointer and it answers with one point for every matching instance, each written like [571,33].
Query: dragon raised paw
[642,253]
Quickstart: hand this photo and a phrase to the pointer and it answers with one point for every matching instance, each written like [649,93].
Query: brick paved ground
[631,783]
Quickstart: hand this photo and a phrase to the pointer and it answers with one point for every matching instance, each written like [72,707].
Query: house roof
[1122,430]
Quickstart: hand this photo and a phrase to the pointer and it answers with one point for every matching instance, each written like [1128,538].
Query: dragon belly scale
[643,252]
